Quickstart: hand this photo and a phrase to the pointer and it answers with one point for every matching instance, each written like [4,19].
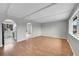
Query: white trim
[70,25]
[71,48]
[1,45]
[74,13]
[28,38]
[20,40]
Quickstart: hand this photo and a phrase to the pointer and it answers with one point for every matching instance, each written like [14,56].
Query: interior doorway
[28,30]
[8,32]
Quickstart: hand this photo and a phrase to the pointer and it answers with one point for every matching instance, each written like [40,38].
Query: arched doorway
[28,30]
[8,32]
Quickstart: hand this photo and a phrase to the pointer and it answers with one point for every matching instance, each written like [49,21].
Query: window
[74,25]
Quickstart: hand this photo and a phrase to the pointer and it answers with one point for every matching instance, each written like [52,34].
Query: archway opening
[8,32]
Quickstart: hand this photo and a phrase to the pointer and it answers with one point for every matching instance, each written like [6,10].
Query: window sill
[76,37]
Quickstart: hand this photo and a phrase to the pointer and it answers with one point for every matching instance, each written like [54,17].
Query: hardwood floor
[38,46]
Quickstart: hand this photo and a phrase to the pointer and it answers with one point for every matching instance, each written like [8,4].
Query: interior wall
[0,35]
[74,43]
[36,29]
[57,29]
[21,31]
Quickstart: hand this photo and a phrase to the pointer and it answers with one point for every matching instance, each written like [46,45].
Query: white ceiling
[20,10]
[37,12]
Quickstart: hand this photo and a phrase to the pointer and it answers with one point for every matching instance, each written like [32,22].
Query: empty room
[39,29]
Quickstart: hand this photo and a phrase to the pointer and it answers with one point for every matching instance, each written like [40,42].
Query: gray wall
[74,43]
[60,29]
[21,31]
[36,29]
[55,29]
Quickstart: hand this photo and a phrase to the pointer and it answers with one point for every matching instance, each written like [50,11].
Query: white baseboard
[1,45]
[28,38]
[71,48]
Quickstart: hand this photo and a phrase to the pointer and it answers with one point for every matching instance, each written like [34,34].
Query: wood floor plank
[38,46]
